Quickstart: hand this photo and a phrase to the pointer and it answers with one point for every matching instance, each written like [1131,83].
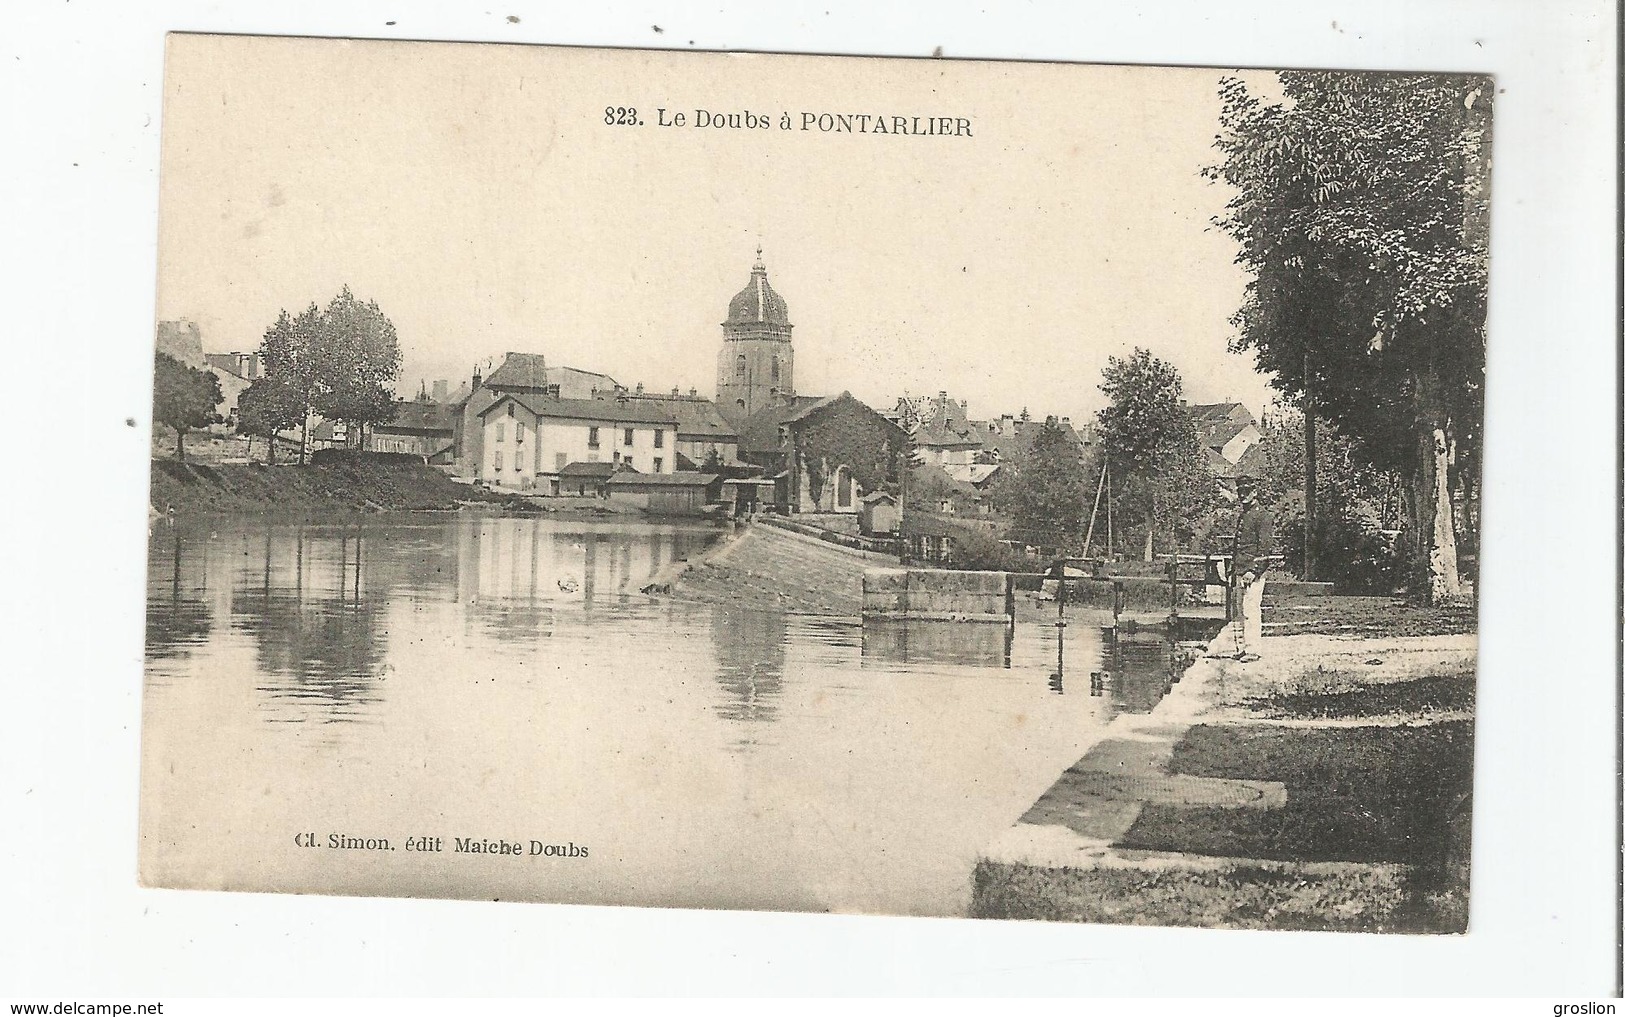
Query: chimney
[1067,421]
[676,391]
[640,388]
[692,392]
[441,388]
[477,379]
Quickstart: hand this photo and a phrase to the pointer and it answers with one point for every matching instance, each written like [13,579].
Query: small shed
[877,513]
[683,493]
[585,479]
[745,495]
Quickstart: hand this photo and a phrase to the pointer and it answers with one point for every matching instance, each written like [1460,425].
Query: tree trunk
[1150,532]
[304,428]
[180,444]
[270,448]
[1434,544]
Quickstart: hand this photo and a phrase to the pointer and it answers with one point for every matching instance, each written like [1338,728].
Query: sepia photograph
[1023,500]
[920,488]
[908,487]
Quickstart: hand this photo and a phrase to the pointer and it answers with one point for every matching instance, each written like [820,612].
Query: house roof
[1010,436]
[697,416]
[519,371]
[419,416]
[1220,466]
[608,410]
[573,379]
[759,432]
[1220,411]
[1217,434]
[680,479]
[944,433]
[587,470]
[974,474]
[875,496]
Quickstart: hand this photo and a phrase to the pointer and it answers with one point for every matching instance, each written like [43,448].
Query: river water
[414,680]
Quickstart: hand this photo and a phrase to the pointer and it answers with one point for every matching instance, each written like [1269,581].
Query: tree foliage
[1355,504]
[1159,469]
[1045,487]
[183,397]
[266,408]
[1361,211]
[341,361]
[361,357]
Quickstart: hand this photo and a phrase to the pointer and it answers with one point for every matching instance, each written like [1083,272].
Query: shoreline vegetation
[340,485]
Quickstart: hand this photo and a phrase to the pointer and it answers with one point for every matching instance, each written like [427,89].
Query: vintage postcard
[891,486]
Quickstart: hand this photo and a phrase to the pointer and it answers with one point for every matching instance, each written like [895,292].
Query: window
[519,431]
[510,409]
[660,438]
[559,459]
[592,437]
[659,462]
[739,366]
[501,429]
[499,461]
[775,368]
[627,441]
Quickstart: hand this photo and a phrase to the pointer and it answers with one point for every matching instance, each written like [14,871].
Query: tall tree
[340,361]
[1159,470]
[1361,210]
[361,360]
[265,408]
[1045,488]
[291,351]
[184,398]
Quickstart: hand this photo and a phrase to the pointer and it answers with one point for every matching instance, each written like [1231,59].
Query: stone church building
[823,453]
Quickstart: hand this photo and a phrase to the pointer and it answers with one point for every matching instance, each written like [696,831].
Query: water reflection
[456,670]
[749,648]
[316,604]
[892,641]
[177,617]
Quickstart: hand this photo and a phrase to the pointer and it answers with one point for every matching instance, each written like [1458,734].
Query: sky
[476,193]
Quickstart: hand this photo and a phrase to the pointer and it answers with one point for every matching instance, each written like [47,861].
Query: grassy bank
[1363,616]
[356,484]
[1325,897]
[1366,724]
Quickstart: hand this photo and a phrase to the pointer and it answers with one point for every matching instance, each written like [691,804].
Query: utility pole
[1308,473]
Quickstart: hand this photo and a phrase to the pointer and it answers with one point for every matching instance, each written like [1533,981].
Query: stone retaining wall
[938,595]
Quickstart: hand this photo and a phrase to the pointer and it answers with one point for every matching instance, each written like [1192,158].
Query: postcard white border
[80,264]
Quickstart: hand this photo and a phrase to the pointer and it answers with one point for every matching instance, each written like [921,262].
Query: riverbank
[764,566]
[351,486]
[1327,786]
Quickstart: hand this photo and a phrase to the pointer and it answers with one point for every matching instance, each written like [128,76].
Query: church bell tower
[756,367]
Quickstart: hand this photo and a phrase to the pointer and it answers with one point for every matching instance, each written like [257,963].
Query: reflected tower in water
[749,648]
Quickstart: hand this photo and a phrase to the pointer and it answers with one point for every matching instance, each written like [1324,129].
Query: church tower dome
[756,367]
[757,307]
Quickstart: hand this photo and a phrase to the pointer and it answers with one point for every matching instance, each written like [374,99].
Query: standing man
[1254,538]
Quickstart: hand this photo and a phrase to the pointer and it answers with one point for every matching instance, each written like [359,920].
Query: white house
[528,440]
